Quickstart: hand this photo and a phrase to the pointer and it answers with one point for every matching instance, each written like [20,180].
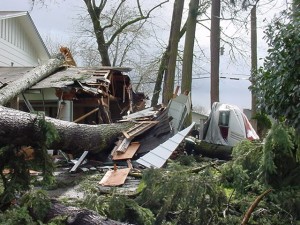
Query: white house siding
[15,47]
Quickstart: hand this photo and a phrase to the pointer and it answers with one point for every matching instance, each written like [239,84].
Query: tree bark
[77,216]
[208,149]
[214,50]
[14,88]
[173,43]
[253,64]
[187,65]
[162,70]
[159,78]
[19,128]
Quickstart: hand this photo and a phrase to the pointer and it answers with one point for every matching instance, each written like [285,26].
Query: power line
[200,78]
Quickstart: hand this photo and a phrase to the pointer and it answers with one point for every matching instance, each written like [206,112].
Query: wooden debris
[34,173]
[129,164]
[115,177]
[129,153]
[6,171]
[75,215]
[31,172]
[69,60]
[252,207]
[27,152]
[122,147]
[139,128]
[86,115]
[82,157]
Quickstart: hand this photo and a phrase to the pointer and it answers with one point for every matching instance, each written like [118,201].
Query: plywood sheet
[115,177]
[129,153]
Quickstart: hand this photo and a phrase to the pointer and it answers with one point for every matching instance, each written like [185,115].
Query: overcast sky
[58,21]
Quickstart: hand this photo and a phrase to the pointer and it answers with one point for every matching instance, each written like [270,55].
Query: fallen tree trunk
[208,149]
[76,215]
[19,128]
[29,79]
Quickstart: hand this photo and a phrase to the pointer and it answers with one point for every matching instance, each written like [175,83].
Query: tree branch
[125,25]
[139,7]
[101,6]
[114,15]
[252,207]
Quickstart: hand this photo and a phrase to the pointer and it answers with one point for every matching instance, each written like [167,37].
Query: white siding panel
[15,46]
[10,53]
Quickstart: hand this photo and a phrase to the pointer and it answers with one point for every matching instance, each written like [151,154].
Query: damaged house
[84,95]
[91,96]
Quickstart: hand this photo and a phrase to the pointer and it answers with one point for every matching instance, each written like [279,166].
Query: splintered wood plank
[6,171]
[139,128]
[115,177]
[34,173]
[122,147]
[129,153]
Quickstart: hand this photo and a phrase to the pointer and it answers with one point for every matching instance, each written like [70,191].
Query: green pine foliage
[279,161]
[13,159]
[16,216]
[37,202]
[263,124]
[181,197]
[241,173]
[258,166]
[118,207]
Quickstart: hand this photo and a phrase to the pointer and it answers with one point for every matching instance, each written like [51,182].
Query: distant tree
[116,25]
[126,47]
[106,29]
[53,45]
[278,81]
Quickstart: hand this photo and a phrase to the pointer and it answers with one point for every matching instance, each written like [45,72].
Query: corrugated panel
[179,108]
[157,157]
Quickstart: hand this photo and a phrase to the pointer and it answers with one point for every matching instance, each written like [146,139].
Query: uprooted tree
[19,128]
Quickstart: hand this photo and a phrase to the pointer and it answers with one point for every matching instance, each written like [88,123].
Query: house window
[224,122]
[49,108]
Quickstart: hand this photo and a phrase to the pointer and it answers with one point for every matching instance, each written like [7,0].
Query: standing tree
[214,50]
[187,65]
[195,9]
[253,61]
[172,51]
[162,70]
